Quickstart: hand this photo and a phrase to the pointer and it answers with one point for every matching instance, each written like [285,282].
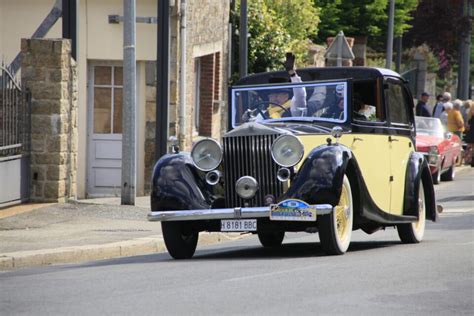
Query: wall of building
[19,19]
[98,40]
[208,34]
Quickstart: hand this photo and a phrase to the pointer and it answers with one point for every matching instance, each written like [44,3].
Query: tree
[362,18]
[441,25]
[275,27]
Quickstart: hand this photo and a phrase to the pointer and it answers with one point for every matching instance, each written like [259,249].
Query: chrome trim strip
[222,213]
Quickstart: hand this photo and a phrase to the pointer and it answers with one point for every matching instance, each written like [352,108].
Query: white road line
[262,275]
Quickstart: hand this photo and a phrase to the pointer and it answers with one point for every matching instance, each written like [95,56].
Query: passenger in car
[280,104]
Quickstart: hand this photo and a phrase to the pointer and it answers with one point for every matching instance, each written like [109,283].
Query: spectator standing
[465,112]
[448,107]
[469,136]
[455,121]
[439,106]
[422,106]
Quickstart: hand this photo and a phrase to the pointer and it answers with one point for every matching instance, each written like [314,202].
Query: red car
[441,149]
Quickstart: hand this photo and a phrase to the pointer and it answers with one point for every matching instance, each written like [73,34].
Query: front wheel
[413,233]
[270,240]
[335,229]
[180,243]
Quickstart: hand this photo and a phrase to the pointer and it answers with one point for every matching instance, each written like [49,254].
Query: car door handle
[390,139]
[357,139]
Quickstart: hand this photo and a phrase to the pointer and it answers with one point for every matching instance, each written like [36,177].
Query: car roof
[321,73]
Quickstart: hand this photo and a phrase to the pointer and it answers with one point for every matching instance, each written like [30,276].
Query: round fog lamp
[206,154]
[246,187]
[287,150]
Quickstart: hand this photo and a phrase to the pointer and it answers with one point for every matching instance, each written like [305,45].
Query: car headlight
[287,150]
[206,154]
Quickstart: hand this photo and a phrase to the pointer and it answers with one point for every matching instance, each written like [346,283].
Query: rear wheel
[450,174]
[272,239]
[180,243]
[413,233]
[335,229]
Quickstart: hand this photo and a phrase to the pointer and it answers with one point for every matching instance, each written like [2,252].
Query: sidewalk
[85,230]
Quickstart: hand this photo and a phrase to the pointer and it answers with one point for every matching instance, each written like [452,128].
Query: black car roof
[323,73]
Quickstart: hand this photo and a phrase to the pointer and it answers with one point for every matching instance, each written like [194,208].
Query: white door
[104,130]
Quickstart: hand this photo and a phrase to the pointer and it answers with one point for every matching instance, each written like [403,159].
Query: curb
[77,254]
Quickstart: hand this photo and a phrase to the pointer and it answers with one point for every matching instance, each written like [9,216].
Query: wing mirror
[448,135]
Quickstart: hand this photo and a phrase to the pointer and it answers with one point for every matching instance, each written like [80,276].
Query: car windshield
[429,126]
[315,101]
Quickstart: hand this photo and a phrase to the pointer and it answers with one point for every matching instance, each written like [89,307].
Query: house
[100,69]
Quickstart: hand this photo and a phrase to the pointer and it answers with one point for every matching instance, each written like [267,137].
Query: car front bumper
[222,213]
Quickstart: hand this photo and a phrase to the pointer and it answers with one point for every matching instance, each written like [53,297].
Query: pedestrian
[465,111]
[448,107]
[455,122]
[438,108]
[280,102]
[422,106]
[469,136]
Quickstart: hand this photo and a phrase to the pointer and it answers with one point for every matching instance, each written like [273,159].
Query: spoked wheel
[272,239]
[335,229]
[180,244]
[413,233]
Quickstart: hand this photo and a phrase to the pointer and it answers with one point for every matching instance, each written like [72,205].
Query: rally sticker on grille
[292,210]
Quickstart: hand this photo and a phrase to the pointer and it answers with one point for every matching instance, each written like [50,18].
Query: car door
[368,141]
[399,106]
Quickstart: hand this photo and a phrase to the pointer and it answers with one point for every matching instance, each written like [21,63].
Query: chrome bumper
[222,213]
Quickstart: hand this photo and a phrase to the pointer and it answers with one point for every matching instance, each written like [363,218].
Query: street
[377,275]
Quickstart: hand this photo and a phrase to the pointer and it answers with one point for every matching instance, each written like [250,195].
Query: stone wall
[207,34]
[50,74]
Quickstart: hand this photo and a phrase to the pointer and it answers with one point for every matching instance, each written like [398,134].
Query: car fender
[418,172]
[319,179]
[178,185]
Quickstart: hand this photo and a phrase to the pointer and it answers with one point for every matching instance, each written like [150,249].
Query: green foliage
[362,17]
[276,27]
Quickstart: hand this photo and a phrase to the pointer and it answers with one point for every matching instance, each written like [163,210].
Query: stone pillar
[50,74]
[359,49]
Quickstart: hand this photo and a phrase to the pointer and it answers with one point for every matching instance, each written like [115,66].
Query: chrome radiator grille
[250,156]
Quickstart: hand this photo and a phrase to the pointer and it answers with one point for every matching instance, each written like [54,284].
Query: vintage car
[441,149]
[341,158]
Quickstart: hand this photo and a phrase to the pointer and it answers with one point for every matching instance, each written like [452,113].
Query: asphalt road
[377,276]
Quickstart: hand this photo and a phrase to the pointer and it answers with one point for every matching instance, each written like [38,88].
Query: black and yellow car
[331,154]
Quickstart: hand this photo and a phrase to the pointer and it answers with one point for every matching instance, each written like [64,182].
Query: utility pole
[162,79]
[388,61]
[243,39]
[465,56]
[129,104]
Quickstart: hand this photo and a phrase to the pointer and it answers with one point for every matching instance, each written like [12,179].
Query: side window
[367,105]
[395,99]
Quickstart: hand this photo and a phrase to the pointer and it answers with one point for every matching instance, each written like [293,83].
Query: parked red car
[441,149]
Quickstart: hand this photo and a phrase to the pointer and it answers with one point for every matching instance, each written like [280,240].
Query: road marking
[273,273]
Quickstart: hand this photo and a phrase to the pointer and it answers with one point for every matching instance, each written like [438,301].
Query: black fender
[418,172]
[319,179]
[178,185]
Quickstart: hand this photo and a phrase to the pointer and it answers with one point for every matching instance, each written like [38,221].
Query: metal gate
[14,139]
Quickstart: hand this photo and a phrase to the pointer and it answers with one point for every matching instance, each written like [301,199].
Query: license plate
[238,225]
[293,210]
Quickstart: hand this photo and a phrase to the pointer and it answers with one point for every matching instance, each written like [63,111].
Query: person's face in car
[278,98]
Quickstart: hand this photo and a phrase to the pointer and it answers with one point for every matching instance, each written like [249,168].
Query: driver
[280,104]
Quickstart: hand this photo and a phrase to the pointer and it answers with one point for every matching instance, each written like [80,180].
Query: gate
[14,139]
